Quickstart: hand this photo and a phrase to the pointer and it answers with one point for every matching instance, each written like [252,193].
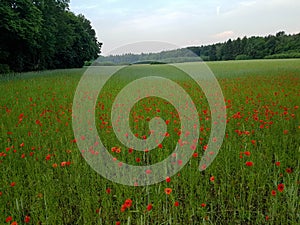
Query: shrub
[242,57]
[289,55]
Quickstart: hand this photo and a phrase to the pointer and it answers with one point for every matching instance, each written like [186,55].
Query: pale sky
[185,22]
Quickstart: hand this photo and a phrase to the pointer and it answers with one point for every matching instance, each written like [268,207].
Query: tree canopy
[44,34]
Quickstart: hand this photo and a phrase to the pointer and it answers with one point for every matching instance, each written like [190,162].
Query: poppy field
[254,179]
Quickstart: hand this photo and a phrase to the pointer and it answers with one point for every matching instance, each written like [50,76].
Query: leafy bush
[242,57]
[106,63]
[88,63]
[289,55]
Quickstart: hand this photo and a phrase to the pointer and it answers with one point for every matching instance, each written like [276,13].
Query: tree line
[44,34]
[281,45]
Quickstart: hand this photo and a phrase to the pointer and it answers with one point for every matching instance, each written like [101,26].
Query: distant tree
[228,50]
[271,44]
[213,53]
[280,34]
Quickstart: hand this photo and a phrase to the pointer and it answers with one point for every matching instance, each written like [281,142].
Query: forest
[281,45]
[44,34]
[278,46]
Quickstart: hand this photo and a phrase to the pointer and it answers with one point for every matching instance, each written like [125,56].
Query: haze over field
[185,22]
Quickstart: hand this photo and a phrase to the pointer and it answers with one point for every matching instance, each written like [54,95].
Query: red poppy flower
[12,184]
[8,219]
[168,191]
[280,187]
[193,147]
[247,153]
[212,178]
[27,219]
[48,157]
[289,170]
[249,163]
[176,204]
[203,205]
[128,203]
[273,193]
[118,223]
[203,167]
[168,179]
[277,163]
[108,190]
[123,208]
[149,207]
[179,162]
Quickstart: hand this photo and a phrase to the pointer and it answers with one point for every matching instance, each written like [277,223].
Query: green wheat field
[254,179]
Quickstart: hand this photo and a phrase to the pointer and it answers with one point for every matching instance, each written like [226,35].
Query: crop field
[254,179]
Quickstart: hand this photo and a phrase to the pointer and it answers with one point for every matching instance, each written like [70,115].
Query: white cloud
[224,35]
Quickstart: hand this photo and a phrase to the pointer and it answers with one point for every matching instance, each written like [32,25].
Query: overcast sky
[185,22]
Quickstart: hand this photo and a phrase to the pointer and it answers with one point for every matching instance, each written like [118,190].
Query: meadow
[254,179]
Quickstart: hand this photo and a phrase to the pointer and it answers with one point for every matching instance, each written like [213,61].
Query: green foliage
[88,63]
[44,34]
[242,57]
[251,48]
[284,55]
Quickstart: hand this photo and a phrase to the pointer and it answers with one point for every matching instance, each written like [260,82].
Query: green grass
[262,99]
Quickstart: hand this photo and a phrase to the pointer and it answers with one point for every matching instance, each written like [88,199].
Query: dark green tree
[44,34]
